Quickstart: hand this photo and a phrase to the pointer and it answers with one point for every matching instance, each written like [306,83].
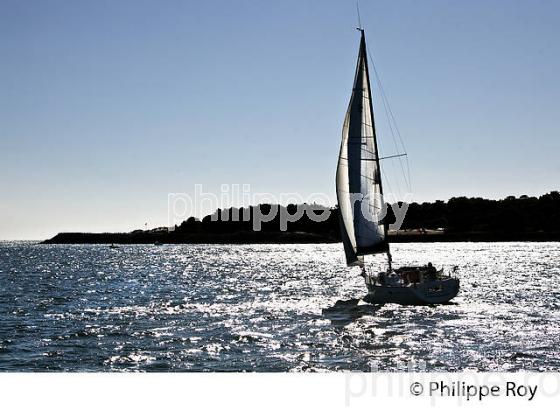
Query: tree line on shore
[457,215]
[459,219]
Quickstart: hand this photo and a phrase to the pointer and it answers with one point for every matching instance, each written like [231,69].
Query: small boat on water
[359,191]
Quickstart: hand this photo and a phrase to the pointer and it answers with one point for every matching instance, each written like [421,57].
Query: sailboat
[359,190]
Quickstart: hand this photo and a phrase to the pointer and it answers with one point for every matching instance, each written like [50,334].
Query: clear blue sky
[107,106]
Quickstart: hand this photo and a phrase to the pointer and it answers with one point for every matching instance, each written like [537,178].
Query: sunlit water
[259,308]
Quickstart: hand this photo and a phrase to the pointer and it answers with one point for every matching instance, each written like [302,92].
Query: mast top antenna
[359,18]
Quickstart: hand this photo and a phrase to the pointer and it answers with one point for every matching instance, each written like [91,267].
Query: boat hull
[426,293]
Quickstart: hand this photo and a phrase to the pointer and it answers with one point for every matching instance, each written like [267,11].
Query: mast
[358,175]
[385,224]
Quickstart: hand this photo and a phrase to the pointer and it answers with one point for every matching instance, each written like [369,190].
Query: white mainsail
[358,177]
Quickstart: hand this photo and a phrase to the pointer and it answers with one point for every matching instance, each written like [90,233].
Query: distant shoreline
[460,219]
[147,237]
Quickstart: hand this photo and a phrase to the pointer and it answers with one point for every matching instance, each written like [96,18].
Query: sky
[108,107]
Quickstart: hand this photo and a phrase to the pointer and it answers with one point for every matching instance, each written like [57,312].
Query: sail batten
[358,178]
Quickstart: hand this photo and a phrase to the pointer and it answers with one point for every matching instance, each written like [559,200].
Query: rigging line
[391,186]
[392,121]
[406,173]
[397,149]
[392,127]
[359,18]
[398,187]
[390,111]
[397,182]
[387,181]
[387,105]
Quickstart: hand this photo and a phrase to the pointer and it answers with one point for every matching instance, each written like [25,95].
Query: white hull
[425,293]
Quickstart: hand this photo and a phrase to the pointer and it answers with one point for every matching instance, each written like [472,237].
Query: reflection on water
[344,312]
[270,308]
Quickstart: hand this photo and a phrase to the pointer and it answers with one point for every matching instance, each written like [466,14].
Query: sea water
[262,308]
